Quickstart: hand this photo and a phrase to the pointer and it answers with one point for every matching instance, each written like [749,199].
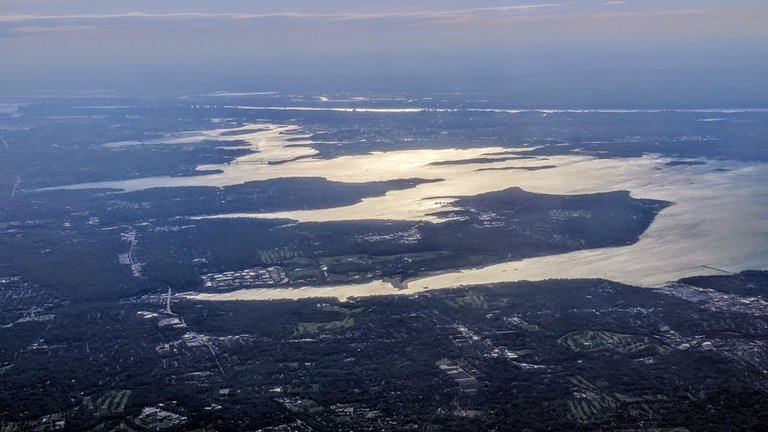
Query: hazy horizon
[550,53]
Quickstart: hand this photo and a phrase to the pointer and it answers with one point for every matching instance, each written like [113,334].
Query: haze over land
[348,216]
[538,53]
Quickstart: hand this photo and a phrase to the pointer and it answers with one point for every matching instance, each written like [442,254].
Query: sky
[551,52]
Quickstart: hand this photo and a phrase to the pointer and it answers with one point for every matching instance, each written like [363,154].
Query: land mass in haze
[351,216]
[105,205]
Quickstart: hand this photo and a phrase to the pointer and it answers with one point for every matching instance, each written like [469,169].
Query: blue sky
[585,48]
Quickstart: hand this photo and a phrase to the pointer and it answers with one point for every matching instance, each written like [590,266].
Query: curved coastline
[716,202]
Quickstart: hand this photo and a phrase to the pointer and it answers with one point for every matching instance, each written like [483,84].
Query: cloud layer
[588,48]
[30,19]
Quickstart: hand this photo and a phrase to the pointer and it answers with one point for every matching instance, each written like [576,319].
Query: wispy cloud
[27,24]
[54,29]
[570,11]
[340,16]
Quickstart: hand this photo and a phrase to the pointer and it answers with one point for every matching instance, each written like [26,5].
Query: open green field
[109,404]
[339,309]
[473,299]
[278,255]
[589,340]
[308,328]
[338,263]
[591,403]
[112,402]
